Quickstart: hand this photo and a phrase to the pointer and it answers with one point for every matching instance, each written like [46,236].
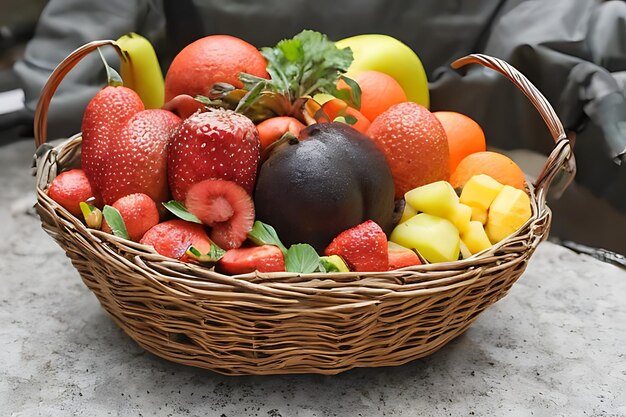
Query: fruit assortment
[311,156]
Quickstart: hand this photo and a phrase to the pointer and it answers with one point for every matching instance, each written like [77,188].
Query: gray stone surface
[555,346]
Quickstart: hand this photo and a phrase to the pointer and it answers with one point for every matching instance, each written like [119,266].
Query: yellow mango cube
[465,252]
[461,217]
[478,193]
[437,198]
[435,238]
[407,213]
[475,238]
[508,212]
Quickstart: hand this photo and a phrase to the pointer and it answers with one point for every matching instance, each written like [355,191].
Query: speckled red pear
[218,144]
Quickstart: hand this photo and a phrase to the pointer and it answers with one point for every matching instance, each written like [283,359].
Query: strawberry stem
[113,78]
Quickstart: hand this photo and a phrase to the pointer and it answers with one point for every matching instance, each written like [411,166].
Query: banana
[140,69]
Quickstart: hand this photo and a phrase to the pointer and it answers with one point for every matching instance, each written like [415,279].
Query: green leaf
[349,119]
[179,210]
[85,208]
[328,266]
[113,78]
[307,64]
[302,258]
[115,221]
[92,215]
[354,94]
[214,255]
[251,96]
[333,263]
[264,234]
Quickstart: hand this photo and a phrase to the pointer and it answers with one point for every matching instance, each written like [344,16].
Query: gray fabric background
[574,51]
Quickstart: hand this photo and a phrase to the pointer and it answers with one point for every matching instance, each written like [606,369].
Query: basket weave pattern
[284,322]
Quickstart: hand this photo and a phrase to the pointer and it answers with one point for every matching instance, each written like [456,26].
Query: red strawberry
[139,213]
[217,144]
[72,187]
[399,257]
[124,147]
[104,116]
[265,258]
[224,206]
[364,248]
[172,238]
[137,160]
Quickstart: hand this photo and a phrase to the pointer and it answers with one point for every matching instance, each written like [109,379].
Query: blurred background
[574,51]
[18,20]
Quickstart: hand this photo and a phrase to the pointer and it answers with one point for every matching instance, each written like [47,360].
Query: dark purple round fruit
[332,179]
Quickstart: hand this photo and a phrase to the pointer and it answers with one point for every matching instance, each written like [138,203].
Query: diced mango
[435,238]
[393,246]
[478,193]
[475,238]
[437,198]
[407,213]
[465,253]
[508,212]
[461,217]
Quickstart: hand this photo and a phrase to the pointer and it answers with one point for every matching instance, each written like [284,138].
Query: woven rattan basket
[282,323]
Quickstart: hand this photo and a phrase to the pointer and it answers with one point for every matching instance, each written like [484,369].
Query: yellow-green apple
[373,52]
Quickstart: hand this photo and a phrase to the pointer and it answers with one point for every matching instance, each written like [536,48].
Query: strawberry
[173,237]
[265,258]
[400,257]
[139,213]
[219,144]
[104,116]
[124,147]
[226,207]
[363,247]
[137,160]
[72,187]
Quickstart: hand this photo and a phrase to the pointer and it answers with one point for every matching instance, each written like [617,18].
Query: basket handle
[48,90]
[561,164]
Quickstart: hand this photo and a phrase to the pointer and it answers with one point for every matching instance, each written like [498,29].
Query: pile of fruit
[311,156]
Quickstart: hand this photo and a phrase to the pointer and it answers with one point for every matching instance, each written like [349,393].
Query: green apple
[386,54]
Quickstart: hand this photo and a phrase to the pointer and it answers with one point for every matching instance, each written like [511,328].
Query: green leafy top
[214,254]
[307,64]
[300,258]
[115,221]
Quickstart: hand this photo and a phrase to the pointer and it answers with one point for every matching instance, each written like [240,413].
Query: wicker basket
[284,323]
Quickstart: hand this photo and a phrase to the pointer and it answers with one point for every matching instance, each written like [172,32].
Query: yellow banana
[140,69]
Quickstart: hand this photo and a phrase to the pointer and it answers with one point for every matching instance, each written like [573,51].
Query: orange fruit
[272,129]
[499,167]
[338,108]
[414,144]
[379,91]
[464,136]
[209,60]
